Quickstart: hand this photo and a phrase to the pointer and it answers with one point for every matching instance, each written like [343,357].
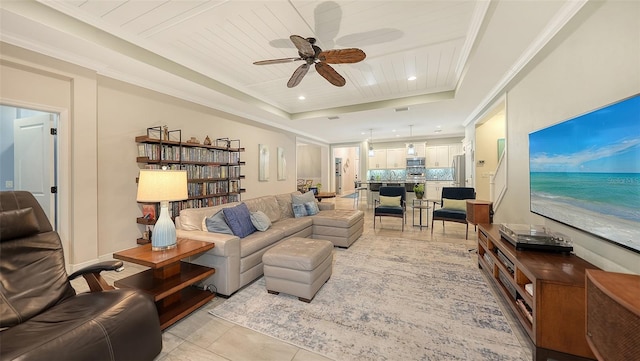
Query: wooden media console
[545,290]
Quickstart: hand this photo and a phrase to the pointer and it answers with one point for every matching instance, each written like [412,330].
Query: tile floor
[201,336]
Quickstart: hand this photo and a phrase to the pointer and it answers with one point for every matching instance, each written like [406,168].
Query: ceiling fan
[312,54]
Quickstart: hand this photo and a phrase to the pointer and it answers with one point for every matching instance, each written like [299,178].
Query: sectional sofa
[238,260]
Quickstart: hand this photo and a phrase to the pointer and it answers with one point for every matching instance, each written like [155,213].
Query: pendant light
[371,152]
[411,150]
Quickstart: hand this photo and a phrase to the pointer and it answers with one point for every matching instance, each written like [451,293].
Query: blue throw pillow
[299,210]
[239,220]
[217,224]
[311,208]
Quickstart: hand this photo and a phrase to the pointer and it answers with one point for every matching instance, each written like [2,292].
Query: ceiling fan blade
[330,74]
[303,45]
[342,56]
[297,76]
[276,61]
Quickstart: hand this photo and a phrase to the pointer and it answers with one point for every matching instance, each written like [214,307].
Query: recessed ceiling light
[411,78]
[301,97]
[394,130]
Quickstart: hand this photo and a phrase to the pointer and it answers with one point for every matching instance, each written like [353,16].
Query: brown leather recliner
[42,317]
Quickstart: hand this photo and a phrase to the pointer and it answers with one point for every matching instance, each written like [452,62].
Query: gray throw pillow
[260,220]
[217,224]
[303,198]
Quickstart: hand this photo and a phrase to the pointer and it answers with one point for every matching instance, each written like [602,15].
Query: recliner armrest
[92,274]
[114,265]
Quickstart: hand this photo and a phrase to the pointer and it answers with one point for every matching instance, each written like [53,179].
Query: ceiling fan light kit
[313,55]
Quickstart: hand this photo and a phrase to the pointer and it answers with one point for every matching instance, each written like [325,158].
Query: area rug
[352,195]
[387,299]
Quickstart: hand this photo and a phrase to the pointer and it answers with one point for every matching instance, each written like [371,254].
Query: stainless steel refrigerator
[458,171]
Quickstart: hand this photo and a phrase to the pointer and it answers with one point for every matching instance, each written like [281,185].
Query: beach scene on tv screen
[585,172]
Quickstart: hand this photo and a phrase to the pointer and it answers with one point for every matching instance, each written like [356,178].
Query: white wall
[487,135]
[100,118]
[125,111]
[592,62]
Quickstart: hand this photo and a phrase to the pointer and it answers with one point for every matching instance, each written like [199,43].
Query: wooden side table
[479,211]
[322,195]
[168,280]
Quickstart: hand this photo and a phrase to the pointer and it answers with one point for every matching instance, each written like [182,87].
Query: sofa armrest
[226,244]
[326,206]
[224,257]
[92,275]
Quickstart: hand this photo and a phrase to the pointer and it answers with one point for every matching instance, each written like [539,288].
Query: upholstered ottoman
[340,226]
[298,266]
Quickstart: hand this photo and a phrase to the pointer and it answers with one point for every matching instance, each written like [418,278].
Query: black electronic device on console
[535,237]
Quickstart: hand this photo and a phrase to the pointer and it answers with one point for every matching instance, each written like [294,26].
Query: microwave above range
[416,167]
[416,162]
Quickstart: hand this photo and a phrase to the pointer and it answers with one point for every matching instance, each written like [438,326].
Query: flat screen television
[585,172]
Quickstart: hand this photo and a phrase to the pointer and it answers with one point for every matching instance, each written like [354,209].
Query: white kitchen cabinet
[379,160]
[396,158]
[438,156]
[433,190]
[454,149]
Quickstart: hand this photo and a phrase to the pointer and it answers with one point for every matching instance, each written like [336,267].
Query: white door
[33,159]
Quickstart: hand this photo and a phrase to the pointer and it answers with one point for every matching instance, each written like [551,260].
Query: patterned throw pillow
[260,220]
[299,210]
[217,224]
[311,208]
[239,220]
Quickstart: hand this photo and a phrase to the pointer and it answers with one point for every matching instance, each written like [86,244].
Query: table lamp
[157,185]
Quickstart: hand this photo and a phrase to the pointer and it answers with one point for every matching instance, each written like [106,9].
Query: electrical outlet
[8,184]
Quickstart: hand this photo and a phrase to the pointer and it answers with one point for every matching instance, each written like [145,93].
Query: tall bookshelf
[214,172]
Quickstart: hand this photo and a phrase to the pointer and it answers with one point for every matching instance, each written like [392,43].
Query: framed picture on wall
[282,165]
[263,163]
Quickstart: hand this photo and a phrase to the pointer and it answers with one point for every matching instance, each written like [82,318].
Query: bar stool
[356,199]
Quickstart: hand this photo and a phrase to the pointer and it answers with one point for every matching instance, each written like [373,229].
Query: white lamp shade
[156,185]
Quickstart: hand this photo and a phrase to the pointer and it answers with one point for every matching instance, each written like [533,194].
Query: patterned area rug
[388,299]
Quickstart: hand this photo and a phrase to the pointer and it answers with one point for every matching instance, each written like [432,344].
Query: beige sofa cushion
[284,202]
[259,240]
[266,204]
[292,225]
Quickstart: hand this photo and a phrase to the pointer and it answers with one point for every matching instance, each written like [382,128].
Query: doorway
[347,169]
[28,155]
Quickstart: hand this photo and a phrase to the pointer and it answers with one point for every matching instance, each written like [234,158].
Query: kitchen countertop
[405,181]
